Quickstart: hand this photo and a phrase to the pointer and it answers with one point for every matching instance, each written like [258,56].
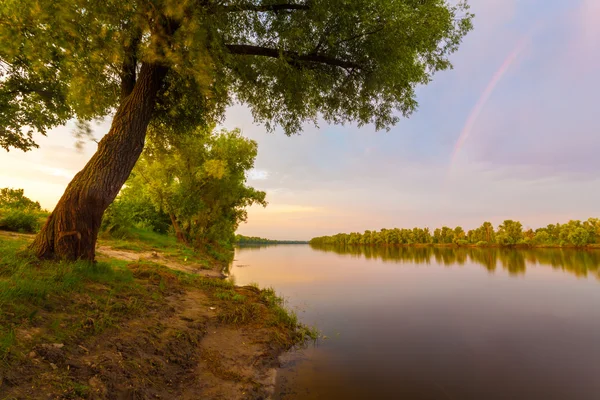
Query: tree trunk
[72,229]
[178,232]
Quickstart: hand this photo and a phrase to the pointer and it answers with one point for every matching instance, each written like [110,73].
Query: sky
[512,132]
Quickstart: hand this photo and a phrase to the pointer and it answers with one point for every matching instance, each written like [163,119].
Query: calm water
[424,323]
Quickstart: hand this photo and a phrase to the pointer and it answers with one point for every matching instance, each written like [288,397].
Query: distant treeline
[241,239]
[515,262]
[509,233]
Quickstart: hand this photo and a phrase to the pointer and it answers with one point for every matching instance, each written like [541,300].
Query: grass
[63,299]
[141,240]
[84,307]
[77,299]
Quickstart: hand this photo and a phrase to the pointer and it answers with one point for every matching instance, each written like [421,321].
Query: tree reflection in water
[578,262]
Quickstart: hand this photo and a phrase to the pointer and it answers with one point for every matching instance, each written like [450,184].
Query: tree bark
[178,232]
[72,229]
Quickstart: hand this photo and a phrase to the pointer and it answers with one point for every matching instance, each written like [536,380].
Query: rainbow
[485,96]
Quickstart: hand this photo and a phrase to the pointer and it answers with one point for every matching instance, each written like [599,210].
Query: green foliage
[27,288]
[250,240]
[578,237]
[509,233]
[333,59]
[133,209]
[19,213]
[190,185]
[19,221]
[16,200]
[199,181]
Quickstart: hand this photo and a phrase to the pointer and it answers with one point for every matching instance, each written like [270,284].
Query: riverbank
[159,326]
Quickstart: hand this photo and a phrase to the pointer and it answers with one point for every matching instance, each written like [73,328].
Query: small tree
[199,181]
[16,199]
[510,232]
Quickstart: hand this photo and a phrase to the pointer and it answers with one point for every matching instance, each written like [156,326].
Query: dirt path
[103,252]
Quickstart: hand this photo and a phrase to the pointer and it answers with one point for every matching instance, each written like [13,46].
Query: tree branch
[360,35]
[265,8]
[129,67]
[294,57]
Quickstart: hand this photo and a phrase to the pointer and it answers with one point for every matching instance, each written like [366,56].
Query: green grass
[262,307]
[42,294]
[66,300]
[142,240]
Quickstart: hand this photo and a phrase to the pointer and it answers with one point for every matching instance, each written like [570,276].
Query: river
[436,323]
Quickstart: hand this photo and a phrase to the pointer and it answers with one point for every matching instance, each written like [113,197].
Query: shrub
[24,221]
[462,242]
[126,214]
[482,243]
[117,221]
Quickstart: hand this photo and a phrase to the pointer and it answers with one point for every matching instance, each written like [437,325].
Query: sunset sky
[512,132]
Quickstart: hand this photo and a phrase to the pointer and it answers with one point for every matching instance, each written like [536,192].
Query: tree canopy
[198,181]
[509,233]
[289,61]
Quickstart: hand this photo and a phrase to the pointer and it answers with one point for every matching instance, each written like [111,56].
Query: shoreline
[139,328]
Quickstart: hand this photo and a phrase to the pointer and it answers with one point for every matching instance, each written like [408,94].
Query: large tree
[181,62]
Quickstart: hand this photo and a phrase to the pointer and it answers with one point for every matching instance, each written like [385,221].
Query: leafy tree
[18,212]
[541,237]
[16,199]
[198,180]
[510,232]
[487,232]
[179,63]
[579,237]
[447,235]
[459,234]
[437,236]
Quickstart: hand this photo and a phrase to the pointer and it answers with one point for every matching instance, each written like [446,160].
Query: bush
[462,242]
[125,215]
[117,221]
[23,221]
[482,243]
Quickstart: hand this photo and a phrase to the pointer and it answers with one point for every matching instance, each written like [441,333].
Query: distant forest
[241,239]
[510,233]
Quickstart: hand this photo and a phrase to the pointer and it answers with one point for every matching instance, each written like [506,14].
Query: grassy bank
[118,328]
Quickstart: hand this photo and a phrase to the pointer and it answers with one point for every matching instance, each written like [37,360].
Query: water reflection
[577,262]
[424,323]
